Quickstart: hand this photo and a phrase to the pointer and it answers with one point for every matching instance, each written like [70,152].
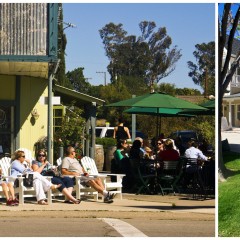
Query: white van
[107,132]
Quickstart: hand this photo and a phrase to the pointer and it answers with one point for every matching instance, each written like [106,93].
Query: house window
[238,112]
[58,114]
[237,76]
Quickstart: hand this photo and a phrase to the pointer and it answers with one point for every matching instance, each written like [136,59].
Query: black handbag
[27,180]
[50,173]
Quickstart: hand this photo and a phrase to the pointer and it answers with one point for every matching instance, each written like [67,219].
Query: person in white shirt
[193,152]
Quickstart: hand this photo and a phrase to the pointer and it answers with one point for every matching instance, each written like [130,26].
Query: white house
[231,99]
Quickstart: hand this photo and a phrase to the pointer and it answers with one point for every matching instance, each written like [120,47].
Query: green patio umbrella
[209,109]
[210,104]
[163,112]
[159,101]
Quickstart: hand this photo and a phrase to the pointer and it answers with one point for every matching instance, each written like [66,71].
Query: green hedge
[106,142]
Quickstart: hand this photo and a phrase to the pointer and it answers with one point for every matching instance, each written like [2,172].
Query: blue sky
[187,24]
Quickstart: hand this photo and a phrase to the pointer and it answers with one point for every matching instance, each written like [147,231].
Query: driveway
[233,137]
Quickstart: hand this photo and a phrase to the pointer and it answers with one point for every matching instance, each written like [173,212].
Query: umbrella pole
[160,126]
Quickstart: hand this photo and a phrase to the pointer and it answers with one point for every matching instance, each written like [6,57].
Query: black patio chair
[169,176]
[194,178]
[142,181]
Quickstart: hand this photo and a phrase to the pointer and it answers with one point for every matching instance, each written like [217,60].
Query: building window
[58,114]
[238,112]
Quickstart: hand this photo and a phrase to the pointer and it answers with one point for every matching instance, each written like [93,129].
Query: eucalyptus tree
[78,81]
[148,56]
[203,72]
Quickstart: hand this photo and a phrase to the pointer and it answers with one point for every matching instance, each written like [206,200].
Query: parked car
[185,136]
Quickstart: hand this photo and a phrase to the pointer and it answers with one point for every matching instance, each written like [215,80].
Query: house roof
[237,95]
[235,46]
[68,95]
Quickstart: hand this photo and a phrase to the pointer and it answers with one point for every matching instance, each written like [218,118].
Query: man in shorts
[71,166]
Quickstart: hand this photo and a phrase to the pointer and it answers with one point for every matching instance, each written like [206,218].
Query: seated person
[8,191]
[179,146]
[120,153]
[121,150]
[135,151]
[141,147]
[42,166]
[149,153]
[71,166]
[159,147]
[40,183]
[194,153]
[169,153]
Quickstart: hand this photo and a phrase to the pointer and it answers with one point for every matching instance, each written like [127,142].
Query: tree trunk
[222,170]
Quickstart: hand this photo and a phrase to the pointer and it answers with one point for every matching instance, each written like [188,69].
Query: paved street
[233,137]
[134,216]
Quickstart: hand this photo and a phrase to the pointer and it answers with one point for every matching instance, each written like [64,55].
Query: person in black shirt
[121,132]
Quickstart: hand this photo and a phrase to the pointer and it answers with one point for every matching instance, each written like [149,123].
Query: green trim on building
[52,42]
[72,94]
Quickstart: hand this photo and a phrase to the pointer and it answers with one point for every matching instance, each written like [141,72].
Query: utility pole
[105,80]
[206,83]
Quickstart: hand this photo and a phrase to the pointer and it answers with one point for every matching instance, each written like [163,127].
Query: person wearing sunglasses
[72,167]
[40,183]
[42,166]
[159,146]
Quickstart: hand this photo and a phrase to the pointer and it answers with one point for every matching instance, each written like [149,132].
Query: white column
[230,115]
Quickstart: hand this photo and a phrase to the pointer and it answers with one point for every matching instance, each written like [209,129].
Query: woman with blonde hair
[40,184]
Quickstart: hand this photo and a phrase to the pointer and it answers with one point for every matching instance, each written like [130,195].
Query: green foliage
[188,92]
[166,88]
[205,66]
[229,198]
[135,85]
[77,80]
[112,93]
[205,125]
[71,131]
[106,142]
[149,56]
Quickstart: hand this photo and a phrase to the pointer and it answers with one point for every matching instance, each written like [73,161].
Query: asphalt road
[133,216]
[106,224]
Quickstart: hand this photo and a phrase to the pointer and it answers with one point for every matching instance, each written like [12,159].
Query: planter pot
[99,157]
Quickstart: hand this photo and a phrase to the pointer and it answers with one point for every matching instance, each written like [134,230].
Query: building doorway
[7,141]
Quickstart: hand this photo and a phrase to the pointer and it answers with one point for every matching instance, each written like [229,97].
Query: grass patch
[232,160]
[229,199]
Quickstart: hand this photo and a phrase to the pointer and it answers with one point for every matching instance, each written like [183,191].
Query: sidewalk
[129,203]
[233,137]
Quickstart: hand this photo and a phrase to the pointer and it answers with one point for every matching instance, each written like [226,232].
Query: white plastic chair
[79,188]
[21,190]
[89,166]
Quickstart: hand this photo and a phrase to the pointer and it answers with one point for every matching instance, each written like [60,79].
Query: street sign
[55,100]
